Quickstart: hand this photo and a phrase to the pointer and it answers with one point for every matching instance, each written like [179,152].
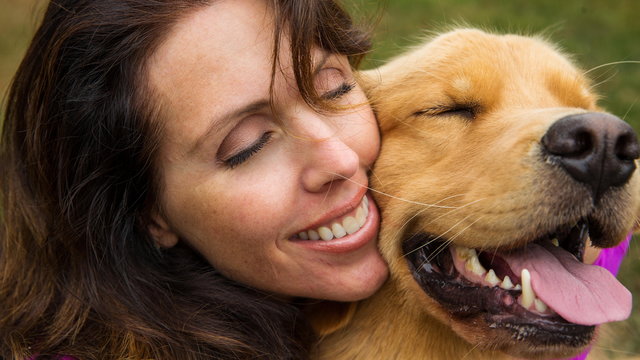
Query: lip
[347,243]
[338,212]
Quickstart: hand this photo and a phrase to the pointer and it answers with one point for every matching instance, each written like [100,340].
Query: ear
[161,232]
[327,317]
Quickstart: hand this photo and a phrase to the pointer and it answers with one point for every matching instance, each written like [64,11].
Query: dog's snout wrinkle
[596,149]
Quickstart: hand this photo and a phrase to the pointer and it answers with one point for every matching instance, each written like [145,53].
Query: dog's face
[501,153]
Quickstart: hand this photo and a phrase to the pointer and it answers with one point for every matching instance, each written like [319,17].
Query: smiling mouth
[337,228]
[541,293]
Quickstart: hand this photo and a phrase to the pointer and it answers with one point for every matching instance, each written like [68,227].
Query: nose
[596,149]
[326,161]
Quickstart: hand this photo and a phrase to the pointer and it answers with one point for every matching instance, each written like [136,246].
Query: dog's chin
[492,317]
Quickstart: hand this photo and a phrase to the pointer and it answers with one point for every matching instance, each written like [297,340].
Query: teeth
[528,296]
[360,216]
[465,253]
[313,235]
[491,278]
[555,242]
[325,233]
[540,305]
[506,283]
[473,265]
[338,230]
[348,225]
[528,299]
[351,225]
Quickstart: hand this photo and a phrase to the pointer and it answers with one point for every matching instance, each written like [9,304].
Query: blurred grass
[595,31]
[18,19]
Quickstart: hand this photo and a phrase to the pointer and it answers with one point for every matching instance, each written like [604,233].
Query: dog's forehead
[468,62]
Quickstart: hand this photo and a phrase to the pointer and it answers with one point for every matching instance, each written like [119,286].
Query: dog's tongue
[582,294]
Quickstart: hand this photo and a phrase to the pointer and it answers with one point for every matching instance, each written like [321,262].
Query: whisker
[399,230]
[615,73]
[397,234]
[471,350]
[396,197]
[611,64]
[453,238]
[437,251]
[629,109]
[453,211]
[439,236]
[377,178]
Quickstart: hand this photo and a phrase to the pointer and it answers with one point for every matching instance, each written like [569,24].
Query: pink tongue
[582,294]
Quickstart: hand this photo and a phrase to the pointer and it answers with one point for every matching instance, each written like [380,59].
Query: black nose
[596,149]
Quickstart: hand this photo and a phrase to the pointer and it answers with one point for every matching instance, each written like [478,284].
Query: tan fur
[484,175]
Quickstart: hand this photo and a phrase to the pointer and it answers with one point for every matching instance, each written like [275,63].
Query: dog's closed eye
[465,111]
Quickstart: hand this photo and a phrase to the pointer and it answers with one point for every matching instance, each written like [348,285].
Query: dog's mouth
[541,293]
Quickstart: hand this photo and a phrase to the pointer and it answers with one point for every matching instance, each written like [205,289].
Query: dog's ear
[327,317]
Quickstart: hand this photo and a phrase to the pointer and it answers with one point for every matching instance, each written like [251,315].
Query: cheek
[224,218]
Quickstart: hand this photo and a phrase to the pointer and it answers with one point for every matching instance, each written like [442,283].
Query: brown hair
[79,274]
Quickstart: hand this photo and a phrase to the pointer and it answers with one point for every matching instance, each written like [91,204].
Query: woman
[177,172]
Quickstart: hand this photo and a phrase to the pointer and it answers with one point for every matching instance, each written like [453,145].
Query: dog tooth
[506,283]
[465,253]
[473,265]
[325,233]
[313,235]
[528,296]
[555,242]
[303,235]
[540,305]
[517,287]
[491,278]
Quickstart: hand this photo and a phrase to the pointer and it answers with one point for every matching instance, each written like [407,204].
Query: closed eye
[338,92]
[466,111]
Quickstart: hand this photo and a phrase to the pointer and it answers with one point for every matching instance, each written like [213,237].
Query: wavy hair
[79,274]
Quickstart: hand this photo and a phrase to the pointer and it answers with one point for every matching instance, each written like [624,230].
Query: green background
[596,32]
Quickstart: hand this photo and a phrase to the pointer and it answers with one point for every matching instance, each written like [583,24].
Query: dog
[498,175]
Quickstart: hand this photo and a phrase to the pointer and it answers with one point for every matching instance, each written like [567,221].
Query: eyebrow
[217,124]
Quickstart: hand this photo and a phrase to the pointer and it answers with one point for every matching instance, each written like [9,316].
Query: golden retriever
[496,162]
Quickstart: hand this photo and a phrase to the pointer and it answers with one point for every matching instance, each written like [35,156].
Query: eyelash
[338,92]
[466,111]
[247,153]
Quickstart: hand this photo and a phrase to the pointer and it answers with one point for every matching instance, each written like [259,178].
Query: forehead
[216,59]
[222,37]
[476,67]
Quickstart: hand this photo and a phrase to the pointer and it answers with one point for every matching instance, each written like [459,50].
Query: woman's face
[250,188]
